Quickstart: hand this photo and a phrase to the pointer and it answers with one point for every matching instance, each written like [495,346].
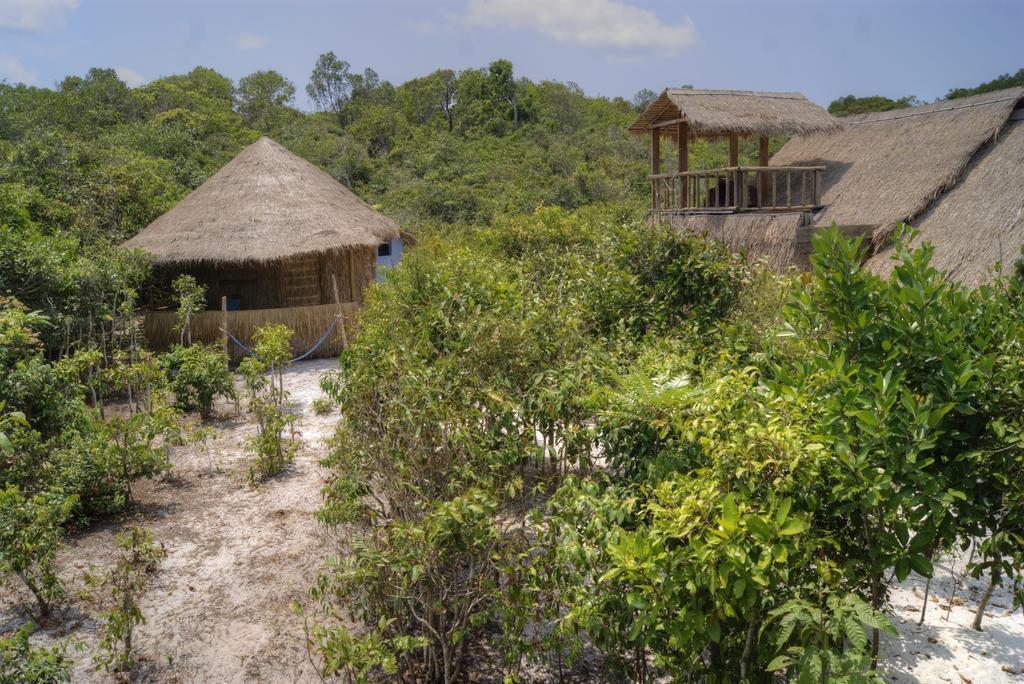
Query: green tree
[330,85]
[261,98]
[999,83]
[30,534]
[850,104]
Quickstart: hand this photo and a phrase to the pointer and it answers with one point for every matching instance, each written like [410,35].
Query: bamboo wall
[298,282]
[308,322]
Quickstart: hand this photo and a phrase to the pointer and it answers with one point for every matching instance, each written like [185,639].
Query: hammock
[312,349]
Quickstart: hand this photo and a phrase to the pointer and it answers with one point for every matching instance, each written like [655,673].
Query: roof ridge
[932,108]
[755,93]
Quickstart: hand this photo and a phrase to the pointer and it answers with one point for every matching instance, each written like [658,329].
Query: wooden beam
[734,150]
[762,188]
[683,150]
[667,122]
[352,275]
[224,323]
[655,151]
[341,312]
[655,164]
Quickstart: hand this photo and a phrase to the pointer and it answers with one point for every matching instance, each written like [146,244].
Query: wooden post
[655,164]
[224,323]
[352,275]
[683,150]
[762,189]
[341,312]
[734,150]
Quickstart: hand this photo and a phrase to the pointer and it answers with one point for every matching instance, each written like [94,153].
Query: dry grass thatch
[980,222]
[889,167]
[712,113]
[308,323]
[266,204]
[772,237]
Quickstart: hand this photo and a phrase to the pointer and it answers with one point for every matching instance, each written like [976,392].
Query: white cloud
[612,26]
[250,41]
[13,71]
[35,15]
[131,77]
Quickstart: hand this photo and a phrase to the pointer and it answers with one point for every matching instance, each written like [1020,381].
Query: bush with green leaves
[264,378]
[471,376]
[191,298]
[30,535]
[23,663]
[322,406]
[725,488]
[198,375]
[886,432]
[119,591]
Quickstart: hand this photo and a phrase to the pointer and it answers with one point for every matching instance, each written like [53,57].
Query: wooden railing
[738,188]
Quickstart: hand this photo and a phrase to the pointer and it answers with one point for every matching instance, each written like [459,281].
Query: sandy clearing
[219,608]
[941,651]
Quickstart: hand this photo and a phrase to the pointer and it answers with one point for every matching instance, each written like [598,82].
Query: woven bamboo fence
[309,323]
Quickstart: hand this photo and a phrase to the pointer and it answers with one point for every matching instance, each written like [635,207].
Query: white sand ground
[944,650]
[219,608]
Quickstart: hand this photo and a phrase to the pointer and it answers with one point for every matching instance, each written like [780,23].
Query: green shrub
[198,375]
[119,590]
[472,376]
[30,534]
[191,301]
[264,378]
[22,663]
[322,406]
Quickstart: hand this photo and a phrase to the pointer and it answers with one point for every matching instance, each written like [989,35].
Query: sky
[822,48]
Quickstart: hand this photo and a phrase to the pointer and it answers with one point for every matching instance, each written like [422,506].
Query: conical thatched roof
[266,204]
[721,112]
[891,166]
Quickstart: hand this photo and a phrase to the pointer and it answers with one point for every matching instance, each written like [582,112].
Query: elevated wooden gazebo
[274,239]
[684,114]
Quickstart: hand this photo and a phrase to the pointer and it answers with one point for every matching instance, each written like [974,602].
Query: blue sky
[823,49]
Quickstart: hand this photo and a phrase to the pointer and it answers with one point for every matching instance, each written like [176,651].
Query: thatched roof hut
[951,168]
[273,238]
[717,113]
[265,205]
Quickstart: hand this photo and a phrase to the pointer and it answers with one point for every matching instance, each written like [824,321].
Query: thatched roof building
[953,169]
[758,208]
[265,205]
[273,238]
[717,113]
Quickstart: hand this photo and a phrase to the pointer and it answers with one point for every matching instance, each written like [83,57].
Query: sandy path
[219,608]
[942,651]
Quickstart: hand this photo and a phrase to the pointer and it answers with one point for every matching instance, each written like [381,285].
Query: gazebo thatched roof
[891,166]
[266,204]
[714,113]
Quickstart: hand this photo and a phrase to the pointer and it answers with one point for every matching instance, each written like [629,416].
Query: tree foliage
[1007,80]
[851,104]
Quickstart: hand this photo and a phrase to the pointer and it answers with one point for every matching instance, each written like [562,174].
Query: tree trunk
[876,600]
[924,606]
[748,647]
[987,596]
[44,607]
